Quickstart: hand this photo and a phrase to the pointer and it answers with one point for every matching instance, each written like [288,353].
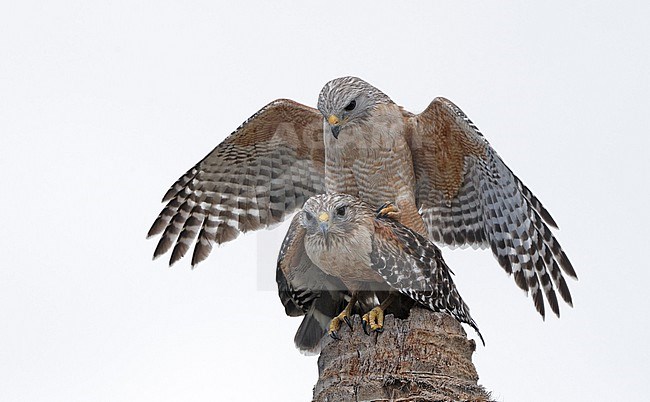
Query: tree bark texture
[426,357]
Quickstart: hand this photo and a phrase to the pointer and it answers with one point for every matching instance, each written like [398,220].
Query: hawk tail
[316,322]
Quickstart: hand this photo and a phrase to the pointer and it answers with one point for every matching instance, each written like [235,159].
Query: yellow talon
[335,324]
[374,319]
[389,210]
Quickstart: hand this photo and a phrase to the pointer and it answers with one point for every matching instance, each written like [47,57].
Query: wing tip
[567,267]
[538,300]
[168,196]
[156,228]
[479,335]
[472,324]
[539,207]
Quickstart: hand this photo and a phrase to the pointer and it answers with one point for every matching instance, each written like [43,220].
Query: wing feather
[414,266]
[468,196]
[262,172]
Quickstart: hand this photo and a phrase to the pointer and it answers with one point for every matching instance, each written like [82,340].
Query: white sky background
[104,106]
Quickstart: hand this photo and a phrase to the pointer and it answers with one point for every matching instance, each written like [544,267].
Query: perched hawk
[436,167]
[336,244]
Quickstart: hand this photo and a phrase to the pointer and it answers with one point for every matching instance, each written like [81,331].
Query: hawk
[337,239]
[436,167]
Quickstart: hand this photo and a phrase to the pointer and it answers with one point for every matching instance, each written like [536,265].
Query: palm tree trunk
[426,357]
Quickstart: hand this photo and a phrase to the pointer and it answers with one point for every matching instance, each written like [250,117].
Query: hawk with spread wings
[436,167]
[335,240]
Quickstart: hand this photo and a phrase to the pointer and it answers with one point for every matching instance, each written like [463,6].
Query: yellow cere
[333,120]
[323,217]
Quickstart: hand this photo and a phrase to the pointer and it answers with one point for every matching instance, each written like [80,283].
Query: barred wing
[468,196]
[262,172]
[414,266]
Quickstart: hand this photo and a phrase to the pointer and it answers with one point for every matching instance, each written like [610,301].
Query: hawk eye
[340,211]
[351,105]
[309,216]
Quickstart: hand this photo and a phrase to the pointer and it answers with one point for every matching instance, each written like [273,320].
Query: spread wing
[306,290]
[414,266]
[262,172]
[468,196]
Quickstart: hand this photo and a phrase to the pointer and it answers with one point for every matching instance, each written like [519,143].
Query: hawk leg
[335,324]
[374,319]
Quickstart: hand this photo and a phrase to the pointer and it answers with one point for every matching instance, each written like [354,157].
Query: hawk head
[332,218]
[347,101]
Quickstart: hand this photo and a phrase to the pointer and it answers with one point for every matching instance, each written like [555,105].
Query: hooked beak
[334,122]
[324,226]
